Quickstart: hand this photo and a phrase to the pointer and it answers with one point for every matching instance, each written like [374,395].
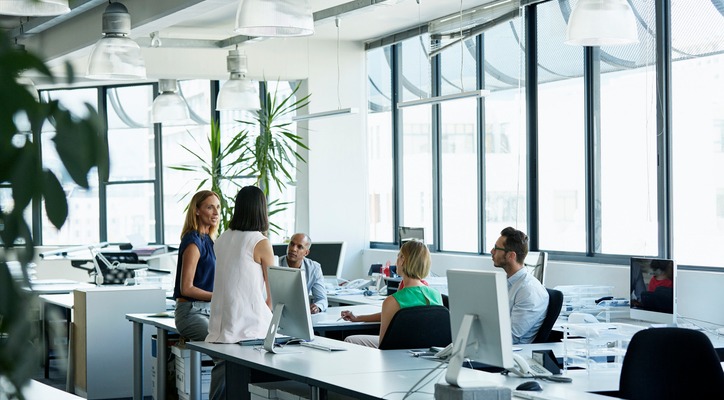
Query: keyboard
[321,346]
[538,370]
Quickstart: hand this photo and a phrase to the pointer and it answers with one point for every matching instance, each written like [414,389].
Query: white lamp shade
[274,18]
[237,94]
[116,57]
[31,8]
[169,107]
[602,23]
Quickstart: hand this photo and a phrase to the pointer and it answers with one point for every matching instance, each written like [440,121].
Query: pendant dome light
[115,55]
[602,23]
[274,18]
[33,8]
[169,107]
[238,93]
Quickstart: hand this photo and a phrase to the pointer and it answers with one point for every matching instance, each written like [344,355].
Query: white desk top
[64,300]
[383,374]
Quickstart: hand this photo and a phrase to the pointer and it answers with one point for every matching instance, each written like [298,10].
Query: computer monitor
[330,255]
[479,320]
[290,302]
[538,269]
[405,233]
[653,290]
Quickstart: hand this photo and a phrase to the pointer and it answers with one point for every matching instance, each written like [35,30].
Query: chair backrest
[670,363]
[418,327]
[555,302]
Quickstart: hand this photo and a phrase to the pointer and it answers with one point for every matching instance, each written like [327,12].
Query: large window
[561,137]
[82,225]
[416,138]
[379,145]
[130,198]
[698,126]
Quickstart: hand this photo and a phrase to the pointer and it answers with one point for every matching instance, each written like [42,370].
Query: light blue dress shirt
[528,305]
[315,281]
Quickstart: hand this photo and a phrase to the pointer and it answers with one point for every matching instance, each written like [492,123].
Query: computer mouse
[529,386]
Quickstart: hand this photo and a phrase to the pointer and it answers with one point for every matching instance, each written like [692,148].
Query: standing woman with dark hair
[195,267]
[241,307]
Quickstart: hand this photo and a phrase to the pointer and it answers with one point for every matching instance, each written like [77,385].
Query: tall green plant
[80,147]
[219,168]
[273,151]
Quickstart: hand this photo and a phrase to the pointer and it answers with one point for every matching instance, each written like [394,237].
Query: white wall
[336,204]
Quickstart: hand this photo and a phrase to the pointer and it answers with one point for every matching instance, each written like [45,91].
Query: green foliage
[273,151]
[80,147]
[268,157]
[218,169]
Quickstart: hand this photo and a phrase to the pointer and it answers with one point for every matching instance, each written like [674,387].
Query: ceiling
[207,26]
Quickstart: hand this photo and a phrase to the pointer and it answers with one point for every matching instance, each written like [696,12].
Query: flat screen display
[330,255]
[653,290]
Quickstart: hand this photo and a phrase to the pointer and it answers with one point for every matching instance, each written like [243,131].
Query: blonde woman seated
[413,264]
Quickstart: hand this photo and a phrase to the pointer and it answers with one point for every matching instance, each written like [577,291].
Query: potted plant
[221,166]
[80,148]
[268,157]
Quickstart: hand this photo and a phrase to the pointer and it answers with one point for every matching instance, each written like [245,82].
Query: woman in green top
[413,264]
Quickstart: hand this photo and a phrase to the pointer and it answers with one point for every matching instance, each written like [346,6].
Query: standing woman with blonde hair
[196,266]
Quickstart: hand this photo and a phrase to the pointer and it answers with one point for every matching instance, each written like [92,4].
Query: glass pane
[415,67]
[628,153]
[504,130]
[698,132]
[179,186]
[130,136]
[131,212]
[561,131]
[379,146]
[416,188]
[459,187]
[457,67]
[197,93]
[82,226]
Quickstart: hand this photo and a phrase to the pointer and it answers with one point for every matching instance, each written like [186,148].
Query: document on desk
[330,319]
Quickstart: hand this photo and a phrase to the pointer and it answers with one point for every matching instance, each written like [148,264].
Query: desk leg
[195,375]
[137,361]
[161,362]
[238,379]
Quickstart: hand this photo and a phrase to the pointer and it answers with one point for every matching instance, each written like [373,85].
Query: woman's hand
[349,316]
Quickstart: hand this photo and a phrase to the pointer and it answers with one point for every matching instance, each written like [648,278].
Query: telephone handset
[527,367]
[357,284]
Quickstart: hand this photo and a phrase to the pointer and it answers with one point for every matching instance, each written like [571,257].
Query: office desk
[355,299]
[39,391]
[163,326]
[360,372]
[322,322]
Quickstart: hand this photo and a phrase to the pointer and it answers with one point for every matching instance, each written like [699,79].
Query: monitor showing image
[479,320]
[405,233]
[290,303]
[330,255]
[653,290]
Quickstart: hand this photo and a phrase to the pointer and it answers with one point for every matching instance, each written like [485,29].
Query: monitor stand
[472,386]
[271,333]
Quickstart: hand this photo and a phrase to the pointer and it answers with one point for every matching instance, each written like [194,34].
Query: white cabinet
[103,338]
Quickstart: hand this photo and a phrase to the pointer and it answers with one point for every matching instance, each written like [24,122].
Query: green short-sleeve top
[417,296]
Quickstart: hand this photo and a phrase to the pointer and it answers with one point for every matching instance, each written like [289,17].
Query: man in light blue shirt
[527,297]
[297,251]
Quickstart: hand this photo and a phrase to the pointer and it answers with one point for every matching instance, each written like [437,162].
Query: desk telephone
[524,366]
[357,284]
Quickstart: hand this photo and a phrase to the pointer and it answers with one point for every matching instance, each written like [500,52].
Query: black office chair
[555,302]
[445,301]
[417,328]
[670,363]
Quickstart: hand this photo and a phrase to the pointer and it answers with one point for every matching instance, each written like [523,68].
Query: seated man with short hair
[527,296]
[297,252]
